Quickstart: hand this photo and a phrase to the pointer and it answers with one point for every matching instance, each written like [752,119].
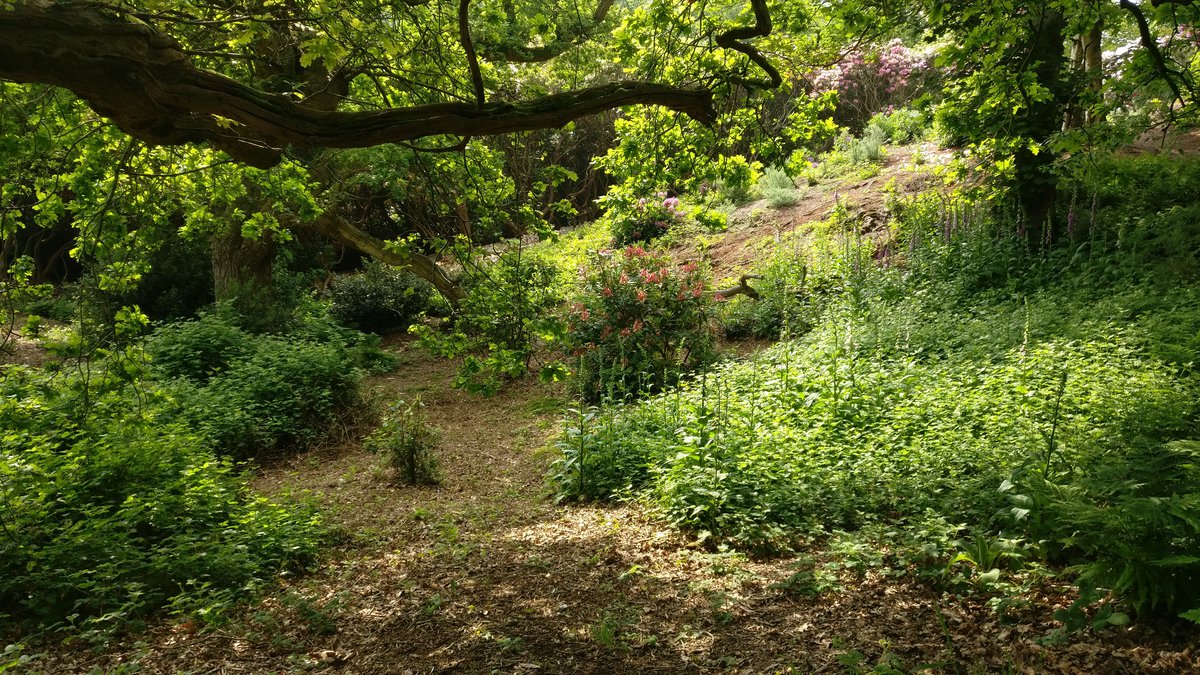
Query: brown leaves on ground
[484,573]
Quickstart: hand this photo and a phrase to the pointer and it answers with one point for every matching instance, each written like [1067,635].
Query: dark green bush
[379,298]
[198,349]
[251,395]
[282,395]
[112,512]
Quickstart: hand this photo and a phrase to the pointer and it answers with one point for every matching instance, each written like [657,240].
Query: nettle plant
[640,324]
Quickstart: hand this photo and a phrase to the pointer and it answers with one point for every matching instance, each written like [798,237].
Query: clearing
[484,573]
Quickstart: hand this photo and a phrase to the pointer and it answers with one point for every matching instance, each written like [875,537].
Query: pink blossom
[637,325]
[607,292]
[641,295]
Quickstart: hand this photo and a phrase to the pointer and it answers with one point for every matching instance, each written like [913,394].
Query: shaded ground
[486,574]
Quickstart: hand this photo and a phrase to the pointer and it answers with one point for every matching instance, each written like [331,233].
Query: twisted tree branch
[142,80]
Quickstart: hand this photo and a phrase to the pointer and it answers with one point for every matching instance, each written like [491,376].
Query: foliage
[113,511]
[869,147]
[645,219]
[640,323]
[251,395]
[406,443]
[976,383]
[869,81]
[785,306]
[379,298]
[509,312]
[901,125]
[777,188]
[199,349]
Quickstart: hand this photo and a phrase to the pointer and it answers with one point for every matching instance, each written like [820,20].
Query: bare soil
[485,573]
[754,227]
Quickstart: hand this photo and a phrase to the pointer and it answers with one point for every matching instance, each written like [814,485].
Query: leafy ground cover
[484,573]
[918,481]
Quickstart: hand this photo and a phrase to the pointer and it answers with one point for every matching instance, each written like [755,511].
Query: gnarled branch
[733,39]
[333,225]
[142,80]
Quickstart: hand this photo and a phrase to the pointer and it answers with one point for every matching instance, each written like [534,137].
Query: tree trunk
[1093,65]
[242,272]
[1035,185]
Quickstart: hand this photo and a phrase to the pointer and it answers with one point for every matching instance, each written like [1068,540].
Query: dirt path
[486,574]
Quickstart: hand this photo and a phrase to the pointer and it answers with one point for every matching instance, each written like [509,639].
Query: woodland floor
[485,573]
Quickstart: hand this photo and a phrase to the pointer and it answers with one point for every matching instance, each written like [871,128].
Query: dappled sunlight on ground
[486,573]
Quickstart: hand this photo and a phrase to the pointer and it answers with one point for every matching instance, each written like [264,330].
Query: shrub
[112,511]
[509,311]
[868,148]
[379,298]
[198,349]
[868,81]
[254,394]
[777,188]
[645,219]
[406,443]
[284,394]
[902,125]
[639,325]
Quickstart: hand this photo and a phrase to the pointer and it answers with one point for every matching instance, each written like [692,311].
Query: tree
[1015,86]
[270,82]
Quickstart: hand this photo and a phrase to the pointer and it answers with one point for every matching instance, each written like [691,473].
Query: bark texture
[142,80]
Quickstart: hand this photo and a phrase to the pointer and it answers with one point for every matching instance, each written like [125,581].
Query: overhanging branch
[142,81]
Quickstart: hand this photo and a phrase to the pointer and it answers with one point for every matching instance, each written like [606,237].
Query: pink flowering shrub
[870,82]
[641,322]
[645,219]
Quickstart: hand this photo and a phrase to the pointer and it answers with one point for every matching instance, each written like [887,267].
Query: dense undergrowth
[118,481]
[960,380]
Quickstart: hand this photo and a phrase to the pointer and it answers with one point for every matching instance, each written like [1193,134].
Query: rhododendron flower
[637,325]
[641,295]
[607,292]
[584,315]
[624,278]
[624,332]
[697,291]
